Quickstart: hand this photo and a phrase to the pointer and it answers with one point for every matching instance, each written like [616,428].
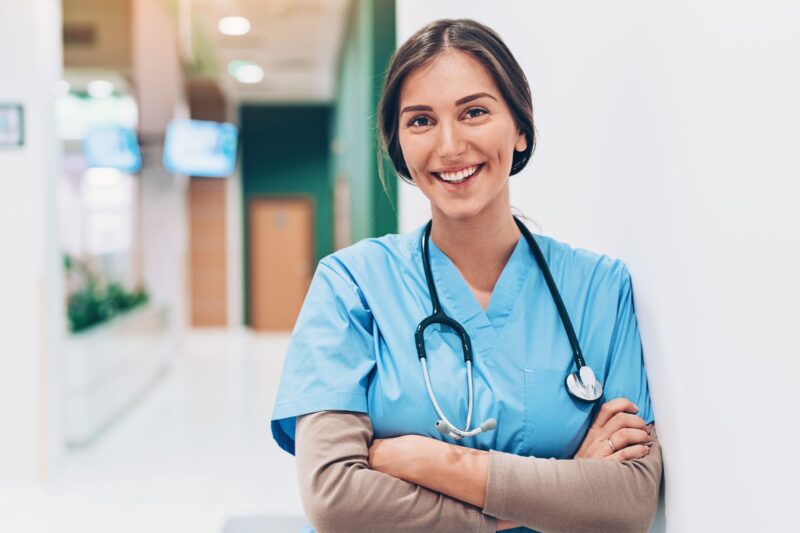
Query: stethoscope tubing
[461,432]
[438,316]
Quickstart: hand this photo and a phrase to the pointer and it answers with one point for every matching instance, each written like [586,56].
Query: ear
[522,142]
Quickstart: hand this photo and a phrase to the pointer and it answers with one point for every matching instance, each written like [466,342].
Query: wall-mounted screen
[112,147]
[200,148]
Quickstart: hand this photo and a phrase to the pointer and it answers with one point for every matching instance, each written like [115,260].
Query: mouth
[460,176]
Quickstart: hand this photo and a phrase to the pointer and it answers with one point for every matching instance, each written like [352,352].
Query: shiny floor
[194,455]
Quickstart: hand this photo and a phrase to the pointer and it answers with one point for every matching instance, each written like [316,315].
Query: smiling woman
[513,316]
[482,48]
[454,146]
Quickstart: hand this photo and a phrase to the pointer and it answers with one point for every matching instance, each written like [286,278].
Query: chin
[461,212]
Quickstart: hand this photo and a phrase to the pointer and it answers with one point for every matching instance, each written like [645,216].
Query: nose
[451,141]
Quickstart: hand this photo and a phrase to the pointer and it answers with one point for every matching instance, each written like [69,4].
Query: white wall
[669,137]
[164,235]
[160,92]
[31,314]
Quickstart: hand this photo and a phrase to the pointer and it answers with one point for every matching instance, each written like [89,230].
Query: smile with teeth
[460,176]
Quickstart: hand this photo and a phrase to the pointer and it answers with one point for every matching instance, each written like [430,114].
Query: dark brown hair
[484,45]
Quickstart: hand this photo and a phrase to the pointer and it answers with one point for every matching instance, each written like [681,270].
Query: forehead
[446,78]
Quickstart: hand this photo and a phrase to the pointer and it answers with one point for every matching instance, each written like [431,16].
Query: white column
[31,309]
[160,93]
[235,230]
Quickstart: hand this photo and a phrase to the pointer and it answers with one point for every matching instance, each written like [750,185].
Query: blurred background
[174,169]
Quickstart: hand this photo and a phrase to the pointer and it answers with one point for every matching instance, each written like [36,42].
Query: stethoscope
[581,385]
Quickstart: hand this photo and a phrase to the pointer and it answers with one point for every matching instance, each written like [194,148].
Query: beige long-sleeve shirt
[340,493]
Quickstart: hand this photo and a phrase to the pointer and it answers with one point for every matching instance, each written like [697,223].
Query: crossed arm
[442,487]
[341,493]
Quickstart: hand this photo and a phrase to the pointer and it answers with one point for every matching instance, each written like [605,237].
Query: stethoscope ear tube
[582,384]
[437,316]
[551,285]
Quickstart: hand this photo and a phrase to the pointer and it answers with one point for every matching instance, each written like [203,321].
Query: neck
[478,246]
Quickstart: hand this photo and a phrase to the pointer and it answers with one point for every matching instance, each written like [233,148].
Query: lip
[450,186]
[455,169]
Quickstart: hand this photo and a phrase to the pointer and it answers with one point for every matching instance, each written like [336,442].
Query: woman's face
[457,135]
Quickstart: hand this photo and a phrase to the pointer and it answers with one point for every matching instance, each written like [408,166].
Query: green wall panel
[384,202]
[369,44]
[286,149]
[285,152]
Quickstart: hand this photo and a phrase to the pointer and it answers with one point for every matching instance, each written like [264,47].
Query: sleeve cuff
[496,482]
[328,401]
[283,416]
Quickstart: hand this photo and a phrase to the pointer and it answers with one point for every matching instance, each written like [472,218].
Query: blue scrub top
[353,349]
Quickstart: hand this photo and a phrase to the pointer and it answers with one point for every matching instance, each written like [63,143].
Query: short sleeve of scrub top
[352,348]
[625,372]
[331,348]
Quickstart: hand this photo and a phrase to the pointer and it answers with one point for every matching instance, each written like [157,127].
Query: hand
[616,434]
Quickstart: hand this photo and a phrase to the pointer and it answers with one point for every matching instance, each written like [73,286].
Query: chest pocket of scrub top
[555,423]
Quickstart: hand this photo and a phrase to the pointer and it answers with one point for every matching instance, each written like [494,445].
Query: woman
[456,120]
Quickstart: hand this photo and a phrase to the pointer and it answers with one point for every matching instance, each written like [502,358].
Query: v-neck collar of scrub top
[458,301]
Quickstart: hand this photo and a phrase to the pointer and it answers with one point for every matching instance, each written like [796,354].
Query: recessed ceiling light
[246,71]
[100,88]
[234,25]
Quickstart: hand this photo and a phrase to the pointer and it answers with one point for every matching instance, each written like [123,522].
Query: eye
[419,121]
[475,112]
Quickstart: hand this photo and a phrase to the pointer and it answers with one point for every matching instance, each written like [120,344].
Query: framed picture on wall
[12,125]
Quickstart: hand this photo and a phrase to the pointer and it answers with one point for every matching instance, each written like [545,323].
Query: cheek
[495,142]
[504,147]
[413,154]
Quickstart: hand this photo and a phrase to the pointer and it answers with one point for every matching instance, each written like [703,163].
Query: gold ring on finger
[611,445]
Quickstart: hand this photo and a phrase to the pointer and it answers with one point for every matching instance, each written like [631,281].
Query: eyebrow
[460,101]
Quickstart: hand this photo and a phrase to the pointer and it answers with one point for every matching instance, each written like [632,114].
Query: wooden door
[280,261]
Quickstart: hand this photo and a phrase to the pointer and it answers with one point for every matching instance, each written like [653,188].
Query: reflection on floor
[193,455]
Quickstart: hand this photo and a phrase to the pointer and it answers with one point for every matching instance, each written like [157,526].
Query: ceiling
[296,42]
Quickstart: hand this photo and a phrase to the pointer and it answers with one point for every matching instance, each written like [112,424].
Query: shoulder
[581,265]
[373,256]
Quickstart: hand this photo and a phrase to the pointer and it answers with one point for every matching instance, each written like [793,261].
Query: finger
[628,436]
[611,408]
[637,451]
[623,420]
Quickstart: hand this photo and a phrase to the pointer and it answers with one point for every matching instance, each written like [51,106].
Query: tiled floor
[193,454]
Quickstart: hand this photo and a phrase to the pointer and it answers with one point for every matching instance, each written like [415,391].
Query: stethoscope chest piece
[583,385]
